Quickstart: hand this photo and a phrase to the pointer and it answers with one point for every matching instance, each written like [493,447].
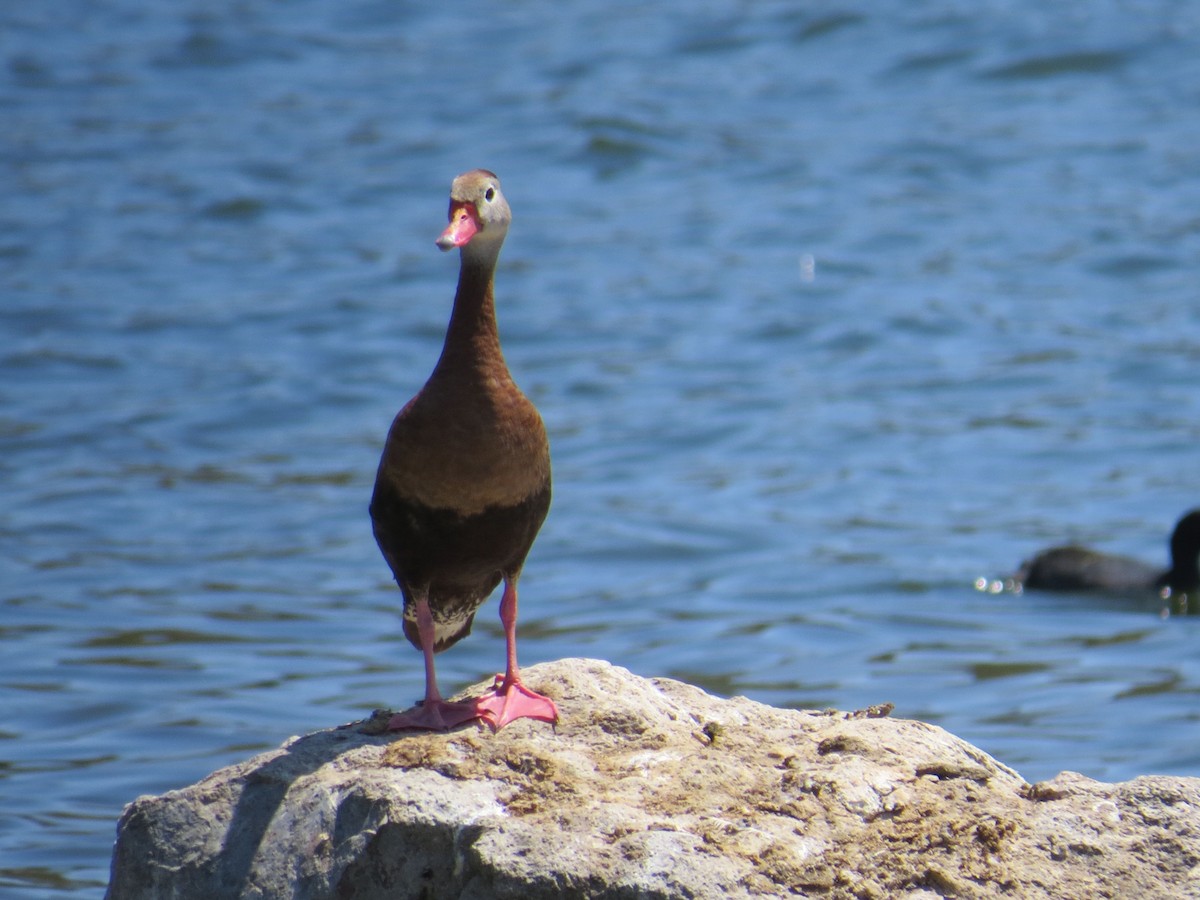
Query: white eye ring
[489,194]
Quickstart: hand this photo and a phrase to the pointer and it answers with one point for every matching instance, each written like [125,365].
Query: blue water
[830,310]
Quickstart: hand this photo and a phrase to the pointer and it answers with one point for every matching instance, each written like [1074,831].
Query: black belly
[458,560]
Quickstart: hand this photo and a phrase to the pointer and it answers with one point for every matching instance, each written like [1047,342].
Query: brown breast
[466,446]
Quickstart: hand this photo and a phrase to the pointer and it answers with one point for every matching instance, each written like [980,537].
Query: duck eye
[489,194]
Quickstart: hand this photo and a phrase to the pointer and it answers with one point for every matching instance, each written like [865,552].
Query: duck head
[479,215]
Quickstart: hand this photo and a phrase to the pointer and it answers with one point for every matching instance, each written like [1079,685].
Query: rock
[651,788]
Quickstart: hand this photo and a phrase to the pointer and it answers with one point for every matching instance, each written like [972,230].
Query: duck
[1074,568]
[464,483]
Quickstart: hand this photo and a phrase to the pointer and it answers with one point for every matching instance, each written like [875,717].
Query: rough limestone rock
[651,788]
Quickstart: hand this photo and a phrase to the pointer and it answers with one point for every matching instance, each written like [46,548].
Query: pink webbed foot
[439,715]
[508,702]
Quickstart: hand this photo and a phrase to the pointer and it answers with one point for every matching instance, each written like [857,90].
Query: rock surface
[651,788]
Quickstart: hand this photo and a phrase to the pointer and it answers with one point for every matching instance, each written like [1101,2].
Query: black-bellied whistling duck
[1080,569]
[464,481]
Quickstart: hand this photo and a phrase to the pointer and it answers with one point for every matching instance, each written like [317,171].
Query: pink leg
[433,713]
[509,699]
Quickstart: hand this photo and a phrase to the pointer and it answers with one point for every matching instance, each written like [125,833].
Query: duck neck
[472,338]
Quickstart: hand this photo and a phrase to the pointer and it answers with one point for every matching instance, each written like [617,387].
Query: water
[829,309]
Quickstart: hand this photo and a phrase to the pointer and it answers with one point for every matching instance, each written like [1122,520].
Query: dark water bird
[464,481]
[1081,569]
